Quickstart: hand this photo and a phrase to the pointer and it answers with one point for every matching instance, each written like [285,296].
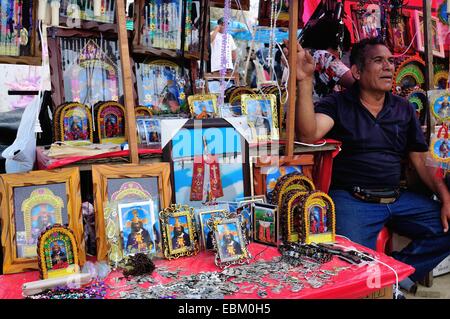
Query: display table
[355,282]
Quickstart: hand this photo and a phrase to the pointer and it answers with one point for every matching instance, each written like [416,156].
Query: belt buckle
[389,200]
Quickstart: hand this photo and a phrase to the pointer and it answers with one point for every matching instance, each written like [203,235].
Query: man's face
[222,27]
[378,71]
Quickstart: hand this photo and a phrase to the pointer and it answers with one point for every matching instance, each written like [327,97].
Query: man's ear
[356,72]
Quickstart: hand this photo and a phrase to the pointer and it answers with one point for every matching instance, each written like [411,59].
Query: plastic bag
[20,156]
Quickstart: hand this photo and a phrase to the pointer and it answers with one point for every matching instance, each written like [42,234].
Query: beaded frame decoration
[234,95]
[73,124]
[437,45]
[263,107]
[111,122]
[265,224]
[292,217]
[30,202]
[123,183]
[143,111]
[409,74]
[318,204]
[418,98]
[439,104]
[203,106]
[174,217]
[57,252]
[302,182]
[229,243]
[440,79]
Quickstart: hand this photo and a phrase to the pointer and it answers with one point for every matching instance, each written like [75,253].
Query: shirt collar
[353,94]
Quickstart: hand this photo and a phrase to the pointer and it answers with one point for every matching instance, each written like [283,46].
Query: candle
[55,4]
[42,9]
[97,8]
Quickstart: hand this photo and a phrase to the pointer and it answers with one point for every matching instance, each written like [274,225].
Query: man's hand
[305,62]
[445,215]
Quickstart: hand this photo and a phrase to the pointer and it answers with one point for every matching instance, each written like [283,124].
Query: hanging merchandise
[440,149]
[409,74]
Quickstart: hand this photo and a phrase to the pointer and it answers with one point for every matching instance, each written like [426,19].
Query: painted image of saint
[265,223]
[208,233]
[444,149]
[318,219]
[58,254]
[139,240]
[180,238]
[260,116]
[111,126]
[229,246]
[75,131]
[42,216]
[443,107]
[204,109]
[153,131]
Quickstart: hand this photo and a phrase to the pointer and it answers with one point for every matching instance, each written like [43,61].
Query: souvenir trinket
[57,252]
[73,124]
[440,105]
[111,125]
[203,106]
[265,224]
[262,116]
[409,74]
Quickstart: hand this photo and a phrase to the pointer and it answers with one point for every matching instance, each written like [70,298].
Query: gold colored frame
[69,176]
[321,238]
[41,249]
[62,111]
[242,258]
[433,96]
[143,109]
[202,98]
[176,210]
[274,132]
[100,176]
[433,142]
[99,108]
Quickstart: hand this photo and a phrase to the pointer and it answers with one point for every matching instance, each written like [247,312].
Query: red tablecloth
[45,163]
[356,282]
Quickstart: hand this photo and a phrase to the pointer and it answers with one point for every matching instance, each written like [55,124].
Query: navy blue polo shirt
[372,148]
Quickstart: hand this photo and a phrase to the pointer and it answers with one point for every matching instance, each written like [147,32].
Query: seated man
[377,130]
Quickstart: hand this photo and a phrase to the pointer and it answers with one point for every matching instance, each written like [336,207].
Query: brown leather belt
[379,196]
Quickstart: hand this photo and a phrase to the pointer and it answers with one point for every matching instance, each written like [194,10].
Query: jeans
[413,215]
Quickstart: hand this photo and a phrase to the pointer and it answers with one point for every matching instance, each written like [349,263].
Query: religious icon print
[265,224]
[179,233]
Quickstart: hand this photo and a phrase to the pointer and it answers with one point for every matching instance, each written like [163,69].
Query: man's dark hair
[221,21]
[323,35]
[359,51]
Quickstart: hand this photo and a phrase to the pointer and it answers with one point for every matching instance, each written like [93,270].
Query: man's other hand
[305,62]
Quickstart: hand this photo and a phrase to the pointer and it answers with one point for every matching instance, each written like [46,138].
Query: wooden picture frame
[268,169]
[182,217]
[203,106]
[230,156]
[116,183]
[283,18]
[111,122]
[84,66]
[438,46]
[230,243]
[367,21]
[262,116]
[162,86]
[72,124]
[24,45]
[57,252]
[30,202]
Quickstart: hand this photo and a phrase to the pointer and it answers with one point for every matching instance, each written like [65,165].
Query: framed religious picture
[205,214]
[123,184]
[439,105]
[266,7]
[399,34]
[162,86]
[208,163]
[265,224]
[19,35]
[87,14]
[319,220]
[137,220]
[149,132]
[440,148]
[437,44]
[229,242]
[419,100]
[269,169]
[30,202]
[203,106]
[262,117]
[110,122]
[143,111]
[245,210]
[366,20]
[85,67]
[179,231]
[57,252]
[159,26]
[73,124]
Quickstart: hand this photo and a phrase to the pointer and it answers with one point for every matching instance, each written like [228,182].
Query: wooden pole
[127,82]
[429,73]
[292,84]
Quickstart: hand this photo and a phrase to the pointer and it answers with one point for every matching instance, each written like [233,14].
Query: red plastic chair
[384,241]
